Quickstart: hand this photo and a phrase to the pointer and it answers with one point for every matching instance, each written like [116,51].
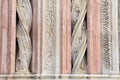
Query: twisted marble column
[79,36]
[23,28]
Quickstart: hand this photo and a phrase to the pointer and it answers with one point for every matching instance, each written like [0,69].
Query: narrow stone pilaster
[66,36]
[109,37]
[94,37]
[7,36]
[36,36]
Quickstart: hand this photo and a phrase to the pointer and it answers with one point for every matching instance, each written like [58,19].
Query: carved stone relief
[109,37]
[49,37]
[50,33]
[106,35]
[103,52]
[79,36]
[24,42]
[54,45]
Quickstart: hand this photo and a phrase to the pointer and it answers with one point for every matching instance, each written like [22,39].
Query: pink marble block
[66,36]
[36,36]
[7,36]
[94,49]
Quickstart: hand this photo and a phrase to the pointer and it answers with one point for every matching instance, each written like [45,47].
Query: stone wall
[59,37]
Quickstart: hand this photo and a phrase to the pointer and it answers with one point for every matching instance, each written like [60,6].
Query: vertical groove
[36,37]
[0,34]
[12,35]
[7,36]
[66,39]
[58,37]
[4,35]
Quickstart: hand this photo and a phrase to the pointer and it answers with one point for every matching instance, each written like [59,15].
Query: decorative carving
[23,28]
[49,31]
[109,44]
[106,35]
[79,36]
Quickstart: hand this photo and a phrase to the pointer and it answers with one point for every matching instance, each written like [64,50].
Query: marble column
[7,36]
[66,36]
[94,39]
[36,36]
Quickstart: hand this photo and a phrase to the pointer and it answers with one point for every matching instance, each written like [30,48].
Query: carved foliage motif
[109,37]
[49,34]
[106,35]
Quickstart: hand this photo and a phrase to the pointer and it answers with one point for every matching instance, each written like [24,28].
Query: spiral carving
[79,36]
[24,42]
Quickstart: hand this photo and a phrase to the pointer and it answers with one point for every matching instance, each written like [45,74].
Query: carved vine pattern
[106,35]
[50,29]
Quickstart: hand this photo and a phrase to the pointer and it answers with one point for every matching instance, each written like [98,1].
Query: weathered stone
[79,36]
[23,59]
[66,36]
[36,36]
[109,37]
[94,45]
[51,40]
[7,36]
[103,54]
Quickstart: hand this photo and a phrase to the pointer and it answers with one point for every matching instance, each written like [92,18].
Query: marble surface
[119,13]
[119,21]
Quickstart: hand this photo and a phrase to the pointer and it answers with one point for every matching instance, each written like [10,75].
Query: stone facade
[49,37]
